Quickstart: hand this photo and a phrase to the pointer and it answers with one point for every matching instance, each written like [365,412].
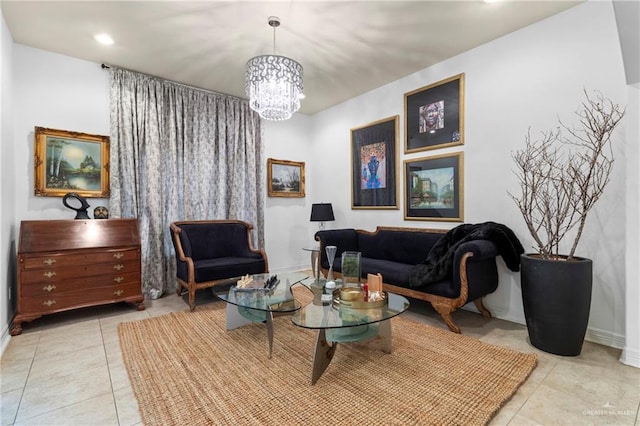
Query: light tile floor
[66,369]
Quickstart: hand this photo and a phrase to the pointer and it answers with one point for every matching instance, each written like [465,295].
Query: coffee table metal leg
[322,356]
[384,331]
[270,331]
[315,267]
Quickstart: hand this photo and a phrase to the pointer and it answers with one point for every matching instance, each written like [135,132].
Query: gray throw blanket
[439,262]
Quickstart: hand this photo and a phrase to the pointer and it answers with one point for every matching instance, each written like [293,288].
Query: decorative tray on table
[357,298]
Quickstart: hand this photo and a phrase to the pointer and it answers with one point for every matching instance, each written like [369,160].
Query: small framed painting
[434,115]
[434,188]
[285,178]
[374,160]
[67,161]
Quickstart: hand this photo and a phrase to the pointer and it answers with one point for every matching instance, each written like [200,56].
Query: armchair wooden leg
[483,310]
[445,313]
[192,299]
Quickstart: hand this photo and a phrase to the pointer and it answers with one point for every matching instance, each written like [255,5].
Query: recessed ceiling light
[103,39]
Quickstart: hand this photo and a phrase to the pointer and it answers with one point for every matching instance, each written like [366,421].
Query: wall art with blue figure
[374,169]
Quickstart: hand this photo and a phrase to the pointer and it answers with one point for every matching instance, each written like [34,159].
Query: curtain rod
[106,66]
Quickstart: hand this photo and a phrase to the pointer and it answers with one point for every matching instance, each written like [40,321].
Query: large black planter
[556,295]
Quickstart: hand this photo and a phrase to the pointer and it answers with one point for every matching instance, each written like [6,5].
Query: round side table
[315,260]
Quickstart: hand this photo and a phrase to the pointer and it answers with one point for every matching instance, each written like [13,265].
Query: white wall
[631,352]
[527,78]
[7,189]
[43,89]
[524,79]
[287,227]
[58,92]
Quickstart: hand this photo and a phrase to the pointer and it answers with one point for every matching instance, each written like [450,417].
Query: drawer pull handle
[118,255]
[118,292]
[49,302]
[49,274]
[118,266]
[49,262]
[118,279]
[49,288]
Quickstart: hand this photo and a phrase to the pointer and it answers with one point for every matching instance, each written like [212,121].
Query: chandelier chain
[274,22]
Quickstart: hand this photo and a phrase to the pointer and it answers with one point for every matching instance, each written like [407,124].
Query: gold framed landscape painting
[67,161]
[285,178]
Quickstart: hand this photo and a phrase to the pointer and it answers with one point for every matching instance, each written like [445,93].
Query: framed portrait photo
[434,188]
[67,161]
[374,165]
[434,115]
[285,178]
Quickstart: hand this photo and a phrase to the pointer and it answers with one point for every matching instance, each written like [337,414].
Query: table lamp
[322,212]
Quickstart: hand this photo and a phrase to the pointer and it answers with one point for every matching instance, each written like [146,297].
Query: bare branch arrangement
[564,173]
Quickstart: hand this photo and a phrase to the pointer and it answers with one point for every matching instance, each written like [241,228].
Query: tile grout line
[68,405]
[106,357]
[518,412]
[26,382]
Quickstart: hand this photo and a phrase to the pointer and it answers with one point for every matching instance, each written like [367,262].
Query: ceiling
[346,47]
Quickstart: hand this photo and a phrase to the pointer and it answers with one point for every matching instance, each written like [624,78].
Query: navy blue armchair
[210,252]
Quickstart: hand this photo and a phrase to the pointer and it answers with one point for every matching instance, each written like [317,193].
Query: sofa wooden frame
[191,285]
[443,305]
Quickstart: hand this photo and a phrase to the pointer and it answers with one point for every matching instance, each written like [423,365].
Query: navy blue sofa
[395,252]
[209,252]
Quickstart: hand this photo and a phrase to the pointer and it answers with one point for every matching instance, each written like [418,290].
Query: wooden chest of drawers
[68,264]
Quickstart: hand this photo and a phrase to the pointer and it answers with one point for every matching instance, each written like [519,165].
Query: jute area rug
[187,369]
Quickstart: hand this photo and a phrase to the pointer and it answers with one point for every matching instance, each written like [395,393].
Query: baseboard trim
[6,337]
[606,338]
[298,268]
[630,357]
[595,335]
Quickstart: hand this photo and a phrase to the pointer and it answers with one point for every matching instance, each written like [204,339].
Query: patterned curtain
[179,153]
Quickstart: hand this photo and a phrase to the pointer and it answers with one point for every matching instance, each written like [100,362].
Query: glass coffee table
[245,306]
[339,324]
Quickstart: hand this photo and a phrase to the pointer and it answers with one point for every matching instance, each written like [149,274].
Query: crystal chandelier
[274,83]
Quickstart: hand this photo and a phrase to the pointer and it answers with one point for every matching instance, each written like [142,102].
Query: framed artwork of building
[434,188]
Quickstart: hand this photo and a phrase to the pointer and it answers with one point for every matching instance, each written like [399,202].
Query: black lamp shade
[322,212]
